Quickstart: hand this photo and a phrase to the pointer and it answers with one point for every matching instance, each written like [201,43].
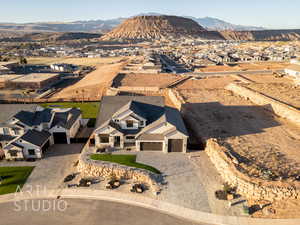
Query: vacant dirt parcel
[284,92]
[76,61]
[267,146]
[93,84]
[245,67]
[144,80]
[263,140]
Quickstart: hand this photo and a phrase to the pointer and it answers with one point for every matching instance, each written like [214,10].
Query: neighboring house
[32,144]
[141,123]
[65,125]
[28,134]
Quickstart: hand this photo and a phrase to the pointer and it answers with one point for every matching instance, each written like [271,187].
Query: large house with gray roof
[28,134]
[140,123]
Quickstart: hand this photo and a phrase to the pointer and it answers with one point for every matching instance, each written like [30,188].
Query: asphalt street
[79,212]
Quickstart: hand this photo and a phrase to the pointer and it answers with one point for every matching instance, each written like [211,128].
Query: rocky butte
[160,27]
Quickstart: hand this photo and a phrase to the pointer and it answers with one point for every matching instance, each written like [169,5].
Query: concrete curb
[137,200]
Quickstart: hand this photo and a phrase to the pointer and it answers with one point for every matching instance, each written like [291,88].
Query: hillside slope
[262,35]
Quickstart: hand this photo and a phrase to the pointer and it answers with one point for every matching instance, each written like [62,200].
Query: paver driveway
[184,182]
[50,172]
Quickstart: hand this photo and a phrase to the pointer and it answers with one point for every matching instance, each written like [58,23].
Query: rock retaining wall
[247,186]
[95,168]
[273,105]
[176,98]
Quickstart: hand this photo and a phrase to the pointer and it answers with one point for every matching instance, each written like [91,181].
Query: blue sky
[267,13]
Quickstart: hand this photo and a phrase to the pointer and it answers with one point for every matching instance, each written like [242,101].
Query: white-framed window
[13,153]
[5,130]
[31,152]
[16,131]
[142,123]
[104,139]
[129,123]
[130,137]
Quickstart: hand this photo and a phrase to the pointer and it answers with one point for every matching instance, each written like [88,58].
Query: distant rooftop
[7,77]
[9,110]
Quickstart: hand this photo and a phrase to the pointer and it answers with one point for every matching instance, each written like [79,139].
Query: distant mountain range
[156,27]
[211,23]
[101,26]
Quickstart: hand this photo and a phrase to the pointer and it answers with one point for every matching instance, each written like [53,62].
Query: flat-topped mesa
[157,27]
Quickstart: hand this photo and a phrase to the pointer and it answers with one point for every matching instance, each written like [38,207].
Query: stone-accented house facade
[141,123]
[28,134]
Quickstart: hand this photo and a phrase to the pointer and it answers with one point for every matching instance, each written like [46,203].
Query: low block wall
[95,168]
[126,88]
[247,186]
[279,108]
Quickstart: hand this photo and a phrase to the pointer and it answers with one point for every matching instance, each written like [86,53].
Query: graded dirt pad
[92,85]
[207,83]
[267,146]
[220,68]
[263,65]
[285,92]
[246,66]
[76,61]
[145,80]
[265,143]
[268,78]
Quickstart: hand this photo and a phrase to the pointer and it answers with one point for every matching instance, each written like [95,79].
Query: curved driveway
[87,212]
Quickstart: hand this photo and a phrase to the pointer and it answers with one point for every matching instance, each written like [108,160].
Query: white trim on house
[162,132]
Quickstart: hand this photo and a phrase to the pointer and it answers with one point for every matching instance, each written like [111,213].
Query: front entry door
[117,141]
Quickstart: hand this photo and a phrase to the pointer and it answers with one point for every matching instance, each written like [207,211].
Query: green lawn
[127,160]
[12,177]
[89,109]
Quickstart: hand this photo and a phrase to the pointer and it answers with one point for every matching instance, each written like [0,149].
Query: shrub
[221,195]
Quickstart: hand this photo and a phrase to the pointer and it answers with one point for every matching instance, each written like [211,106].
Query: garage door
[175,145]
[151,146]
[60,138]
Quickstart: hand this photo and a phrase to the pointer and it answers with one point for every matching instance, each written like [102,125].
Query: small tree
[23,62]
[82,91]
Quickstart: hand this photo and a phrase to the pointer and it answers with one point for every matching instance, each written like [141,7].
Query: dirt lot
[145,80]
[246,66]
[76,61]
[285,92]
[268,78]
[207,83]
[93,84]
[256,135]
[267,145]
